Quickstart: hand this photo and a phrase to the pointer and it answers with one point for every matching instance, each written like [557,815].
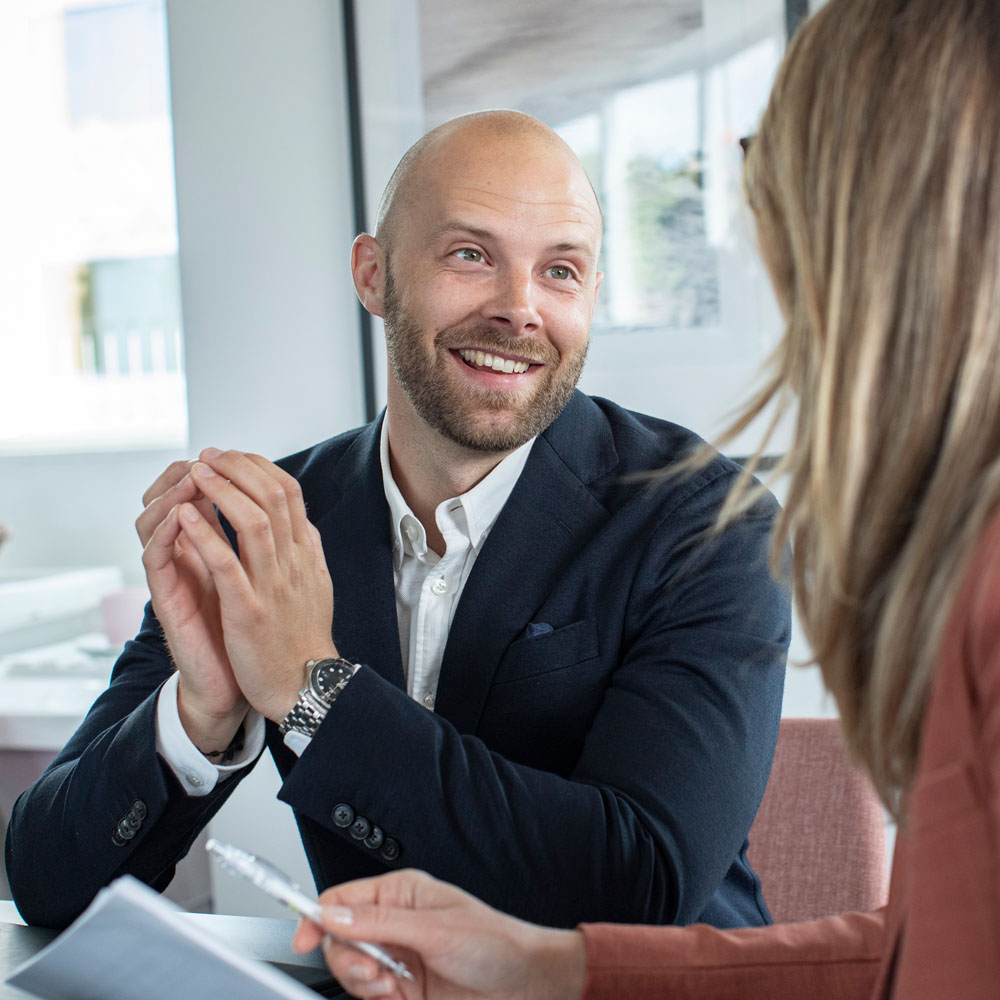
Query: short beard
[433,394]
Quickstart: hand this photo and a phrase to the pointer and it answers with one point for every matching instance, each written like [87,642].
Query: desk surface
[17,944]
[265,938]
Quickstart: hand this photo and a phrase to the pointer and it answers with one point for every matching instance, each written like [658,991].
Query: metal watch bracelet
[326,679]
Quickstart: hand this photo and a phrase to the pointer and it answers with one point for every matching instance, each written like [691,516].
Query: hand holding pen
[275,883]
[456,945]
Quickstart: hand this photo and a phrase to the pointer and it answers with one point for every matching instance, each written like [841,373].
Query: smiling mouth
[485,361]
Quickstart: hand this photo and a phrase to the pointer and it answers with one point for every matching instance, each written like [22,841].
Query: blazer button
[390,849]
[124,830]
[360,828]
[132,821]
[343,815]
[116,840]
[139,808]
[375,838]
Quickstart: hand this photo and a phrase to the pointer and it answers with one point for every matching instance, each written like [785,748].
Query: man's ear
[368,270]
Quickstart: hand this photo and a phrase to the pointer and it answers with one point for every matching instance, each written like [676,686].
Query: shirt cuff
[196,773]
[297,742]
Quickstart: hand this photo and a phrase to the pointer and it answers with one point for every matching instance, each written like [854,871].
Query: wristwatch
[327,678]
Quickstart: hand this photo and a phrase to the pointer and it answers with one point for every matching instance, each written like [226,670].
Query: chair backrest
[818,842]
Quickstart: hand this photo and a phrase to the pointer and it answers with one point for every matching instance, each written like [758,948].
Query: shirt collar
[482,504]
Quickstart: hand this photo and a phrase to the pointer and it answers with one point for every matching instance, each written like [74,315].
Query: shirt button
[193,780]
[439,587]
[428,700]
[411,531]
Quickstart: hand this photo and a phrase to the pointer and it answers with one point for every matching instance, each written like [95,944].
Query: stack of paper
[131,942]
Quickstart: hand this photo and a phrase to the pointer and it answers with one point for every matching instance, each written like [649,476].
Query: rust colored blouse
[939,935]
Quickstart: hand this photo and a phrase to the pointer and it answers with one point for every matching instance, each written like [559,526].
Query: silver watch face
[328,678]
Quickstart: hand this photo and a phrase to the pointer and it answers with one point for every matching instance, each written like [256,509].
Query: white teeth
[484,360]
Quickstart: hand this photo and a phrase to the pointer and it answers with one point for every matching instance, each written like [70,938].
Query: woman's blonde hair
[875,182]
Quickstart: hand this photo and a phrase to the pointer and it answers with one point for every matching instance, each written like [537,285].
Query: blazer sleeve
[837,958]
[64,840]
[655,812]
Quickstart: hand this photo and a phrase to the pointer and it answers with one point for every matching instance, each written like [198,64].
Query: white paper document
[132,944]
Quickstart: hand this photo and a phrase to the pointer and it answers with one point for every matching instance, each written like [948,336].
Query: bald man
[475,639]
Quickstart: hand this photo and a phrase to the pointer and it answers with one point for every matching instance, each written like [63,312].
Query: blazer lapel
[357,542]
[547,518]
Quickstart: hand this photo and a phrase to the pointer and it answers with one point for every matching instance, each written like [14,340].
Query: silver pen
[277,884]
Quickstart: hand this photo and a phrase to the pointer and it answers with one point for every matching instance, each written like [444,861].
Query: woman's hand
[454,945]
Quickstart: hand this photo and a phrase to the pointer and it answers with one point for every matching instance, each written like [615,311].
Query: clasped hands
[240,627]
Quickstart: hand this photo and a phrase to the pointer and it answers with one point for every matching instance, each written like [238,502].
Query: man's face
[489,293]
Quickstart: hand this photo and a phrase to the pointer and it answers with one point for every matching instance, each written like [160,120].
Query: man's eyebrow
[580,249]
[456,228]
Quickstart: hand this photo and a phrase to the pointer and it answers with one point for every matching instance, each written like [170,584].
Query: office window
[652,95]
[91,354]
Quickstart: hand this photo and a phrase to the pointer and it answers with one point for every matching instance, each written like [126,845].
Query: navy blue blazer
[606,714]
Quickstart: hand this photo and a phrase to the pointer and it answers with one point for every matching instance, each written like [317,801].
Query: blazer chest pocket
[548,652]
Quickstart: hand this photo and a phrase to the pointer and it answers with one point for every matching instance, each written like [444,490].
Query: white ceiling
[556,60]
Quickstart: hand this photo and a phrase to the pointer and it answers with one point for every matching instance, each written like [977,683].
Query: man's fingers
[170,476]
[159,549]
[301,525]
[217,554]
[207,510]
[159,505]
[254,483]
[259,535]
[160,555]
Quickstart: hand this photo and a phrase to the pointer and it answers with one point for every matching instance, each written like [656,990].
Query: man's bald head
[487,246]
[424,161]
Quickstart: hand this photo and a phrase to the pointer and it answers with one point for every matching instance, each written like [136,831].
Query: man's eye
[467,253]
[562,273]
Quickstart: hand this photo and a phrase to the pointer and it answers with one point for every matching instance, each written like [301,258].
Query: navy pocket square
[536,629]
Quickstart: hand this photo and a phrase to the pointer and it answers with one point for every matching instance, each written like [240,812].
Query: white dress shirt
[428,588]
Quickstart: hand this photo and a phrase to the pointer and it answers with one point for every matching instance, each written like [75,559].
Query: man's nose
[514,304]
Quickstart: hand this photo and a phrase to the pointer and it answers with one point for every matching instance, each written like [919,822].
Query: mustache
[484,337]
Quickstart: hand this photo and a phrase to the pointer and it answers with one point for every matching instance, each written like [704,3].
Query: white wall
[264,222]
[76,510]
